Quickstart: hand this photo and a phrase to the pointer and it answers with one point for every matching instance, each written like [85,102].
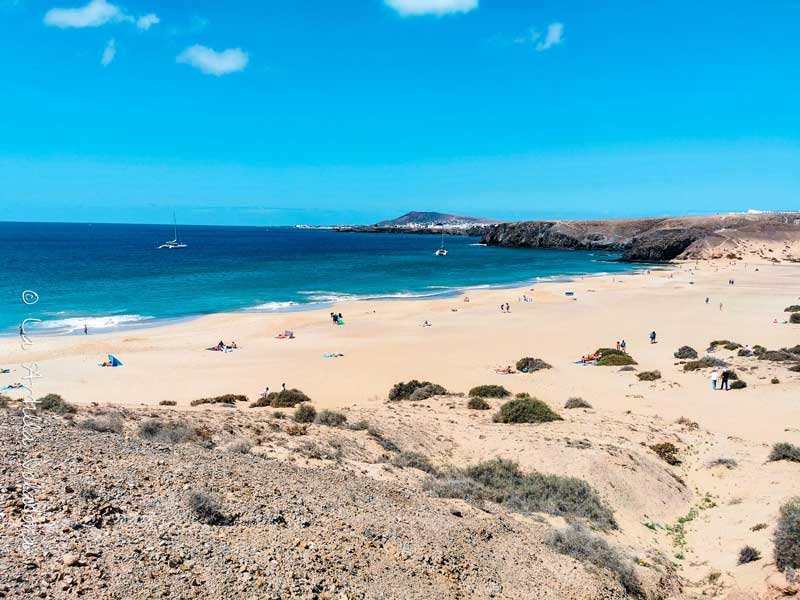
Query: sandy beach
[385,342]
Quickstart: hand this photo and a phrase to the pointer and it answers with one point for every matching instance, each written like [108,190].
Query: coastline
[282,307]
[384,341]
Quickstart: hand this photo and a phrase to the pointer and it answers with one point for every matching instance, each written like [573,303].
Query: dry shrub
[524,409]
[581,544]
[224,399]
[503,482]
[685,352]
[649,375]
[748,554]
[56,404]
[283,399]
[530,365]
[331,418]
[784,451]
[489,391]
[413,460]
[478,404]
[415,390]
[111,423]
[787,536]
[206,508]
[667,451]
[577,403]
[305,413]
[165,432]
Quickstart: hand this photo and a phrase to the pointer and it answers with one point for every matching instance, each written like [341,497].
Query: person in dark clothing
[726,375]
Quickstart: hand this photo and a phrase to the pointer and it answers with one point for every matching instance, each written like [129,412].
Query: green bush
[224,399]
[524,409]
[167,403]
[283,399]
[685,352]
[744,352]
[787,536]
[792,308]
[478,404]
[759,349]
[616,360]
[581,544]
[577,403]
[795,368]
[383,441]
[305,413]
[165,432]
[501,481]
[738,385]
[795,318]
[608,351]
[530,365]
[56,404]
[330,418]
[406,390]
[489,391]
[785,451]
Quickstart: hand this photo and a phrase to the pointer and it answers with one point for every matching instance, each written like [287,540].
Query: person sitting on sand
[466,298]
[507,371]
[426,324]
[264,393]
[14,386]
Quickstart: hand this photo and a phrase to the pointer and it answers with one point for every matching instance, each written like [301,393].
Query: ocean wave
[272,306]
[75,324]
[325,297]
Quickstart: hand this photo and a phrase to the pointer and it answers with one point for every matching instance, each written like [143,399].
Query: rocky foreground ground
[231,502]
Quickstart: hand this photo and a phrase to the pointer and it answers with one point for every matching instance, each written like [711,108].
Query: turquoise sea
[114,276]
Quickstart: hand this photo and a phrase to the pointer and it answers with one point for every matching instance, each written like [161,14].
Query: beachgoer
[85,329]
[706,299]
[265,392]
[725,376]
[21,331]
[623,345]
[283,387]
[618,345]
[233,345]
[714,378]
[720,305]
[652,337]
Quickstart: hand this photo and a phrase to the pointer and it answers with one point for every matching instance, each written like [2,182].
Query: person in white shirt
[714,378]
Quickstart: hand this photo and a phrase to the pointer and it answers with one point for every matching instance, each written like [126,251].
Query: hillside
[416,219]
[768,236]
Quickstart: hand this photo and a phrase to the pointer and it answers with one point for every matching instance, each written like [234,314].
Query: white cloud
[94,14]
[211,62]
[109,52]
[431,7]
[145,22]
[553,37]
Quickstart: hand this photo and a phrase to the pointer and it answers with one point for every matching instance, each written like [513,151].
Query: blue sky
[276,112]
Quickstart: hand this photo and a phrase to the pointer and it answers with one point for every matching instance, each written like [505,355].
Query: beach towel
[334,355]
[9,388]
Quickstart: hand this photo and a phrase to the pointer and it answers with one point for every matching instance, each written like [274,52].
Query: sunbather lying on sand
[507,371]
[286,335]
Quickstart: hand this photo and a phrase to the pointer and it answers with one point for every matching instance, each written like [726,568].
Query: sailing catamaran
[174,243]
[441,251]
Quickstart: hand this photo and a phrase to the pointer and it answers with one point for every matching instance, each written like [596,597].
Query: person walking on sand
[725,376]
[714,378]
[21,331]
[85,329]
[652,337]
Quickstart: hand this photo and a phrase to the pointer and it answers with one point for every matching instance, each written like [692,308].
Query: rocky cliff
[654,239]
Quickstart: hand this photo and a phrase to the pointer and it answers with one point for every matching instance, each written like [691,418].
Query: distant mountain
[416,219]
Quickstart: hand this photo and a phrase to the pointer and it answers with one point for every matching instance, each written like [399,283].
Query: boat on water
[441,251]
[173,243]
